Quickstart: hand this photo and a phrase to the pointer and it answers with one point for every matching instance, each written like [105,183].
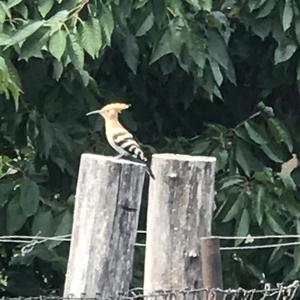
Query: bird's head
[110,110]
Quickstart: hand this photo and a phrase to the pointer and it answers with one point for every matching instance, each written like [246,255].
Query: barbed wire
[259,246]
[251,237]
[32,241]
[281,292]
[66,237]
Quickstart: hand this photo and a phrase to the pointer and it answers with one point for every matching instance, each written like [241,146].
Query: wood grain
[180,208]
[107,205]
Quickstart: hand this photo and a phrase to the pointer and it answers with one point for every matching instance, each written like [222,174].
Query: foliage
[205,77]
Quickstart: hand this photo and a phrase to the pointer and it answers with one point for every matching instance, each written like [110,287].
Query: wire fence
[31,241]
[280,292]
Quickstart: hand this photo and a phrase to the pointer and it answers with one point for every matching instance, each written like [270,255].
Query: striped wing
[126,143]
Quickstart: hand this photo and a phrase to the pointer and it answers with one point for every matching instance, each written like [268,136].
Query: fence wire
[280,292]
[31,241]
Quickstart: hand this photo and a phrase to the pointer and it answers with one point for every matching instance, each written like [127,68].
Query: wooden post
[180,209]
[211,266]
[108,199]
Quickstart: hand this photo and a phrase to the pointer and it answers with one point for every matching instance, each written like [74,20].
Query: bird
[119,138]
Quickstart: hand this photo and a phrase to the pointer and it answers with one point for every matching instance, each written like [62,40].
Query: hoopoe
[119,137]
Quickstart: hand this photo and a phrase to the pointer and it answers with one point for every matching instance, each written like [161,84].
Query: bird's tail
[149,171]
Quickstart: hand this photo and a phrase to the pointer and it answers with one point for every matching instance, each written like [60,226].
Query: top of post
[184,157]
[103,158]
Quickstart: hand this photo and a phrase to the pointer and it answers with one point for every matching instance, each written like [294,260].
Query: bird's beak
[93,112]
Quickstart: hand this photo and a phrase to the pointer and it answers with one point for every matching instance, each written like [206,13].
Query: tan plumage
[119,137]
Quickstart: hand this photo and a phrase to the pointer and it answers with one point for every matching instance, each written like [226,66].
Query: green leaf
[91,36]
[274,222]
[194,3]
[46,132]
[22,10]
[29,197]
[259,203]
[3,37]
[241,132]
[15,217]
[13,3]
[44,6]
[4,73]
[255,4]
[131,52]
[253,270]
[13,73]
[4,11]
[85,77]
[298,70]
[146,25]
[273,151]
[2,14]
[75,51]
[107,24]
[23,33]
[217,48]
[266,9]
[296,266]
[57,44]
[287,181]
[276,256]
[231,181]
[230,72]
[245,158]
[56,20]
[266,176]
[5,189]
[288,14]
[176,41]
[162,48]
[291,204]
[297,28]
[58,69]
[256,132]
[222,158]
[262,27]
[200,146]
[280,132]
[64,227]
[216,71]
[33,45]
[284,51]
[200,4]
[3,214]
[196,48]
[43,223]
[159,11]
[207,5]
[242,228]
[297,250]
[236,208]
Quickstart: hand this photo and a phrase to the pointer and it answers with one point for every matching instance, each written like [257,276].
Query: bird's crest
[117,106]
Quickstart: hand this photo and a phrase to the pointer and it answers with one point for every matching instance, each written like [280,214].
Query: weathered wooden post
[211,266]
[108,198]
[180,208]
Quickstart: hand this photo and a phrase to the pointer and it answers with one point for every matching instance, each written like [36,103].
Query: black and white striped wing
[125,144]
